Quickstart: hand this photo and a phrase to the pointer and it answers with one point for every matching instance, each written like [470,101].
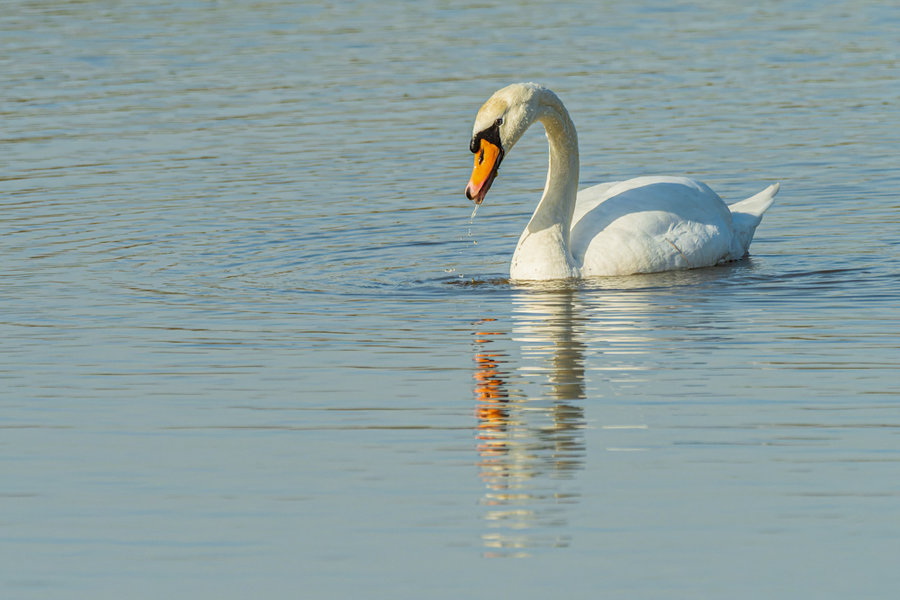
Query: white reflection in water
[530,445]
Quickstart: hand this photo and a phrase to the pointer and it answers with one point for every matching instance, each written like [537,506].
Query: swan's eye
[499,121]
[481,156]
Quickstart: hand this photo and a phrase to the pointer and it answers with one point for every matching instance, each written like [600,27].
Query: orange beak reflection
[487,161]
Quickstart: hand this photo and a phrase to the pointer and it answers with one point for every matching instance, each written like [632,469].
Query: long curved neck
[558,202]
[543,249]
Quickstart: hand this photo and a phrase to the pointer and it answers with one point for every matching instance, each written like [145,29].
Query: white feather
[642,225]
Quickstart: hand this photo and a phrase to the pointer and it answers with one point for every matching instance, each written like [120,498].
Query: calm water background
[253,347]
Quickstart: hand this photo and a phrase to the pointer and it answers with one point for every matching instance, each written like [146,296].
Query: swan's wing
[589,198]
[649,224]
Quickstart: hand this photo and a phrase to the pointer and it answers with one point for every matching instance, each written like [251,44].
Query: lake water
[252,345]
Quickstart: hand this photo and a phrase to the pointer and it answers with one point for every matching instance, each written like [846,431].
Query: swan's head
[498,126]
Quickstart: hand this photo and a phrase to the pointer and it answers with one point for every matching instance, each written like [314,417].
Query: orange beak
[487,161]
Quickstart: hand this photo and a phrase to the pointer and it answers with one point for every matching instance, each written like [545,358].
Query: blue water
[253,346]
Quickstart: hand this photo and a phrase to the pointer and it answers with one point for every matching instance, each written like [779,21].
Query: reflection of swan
[642,225]
[529,444]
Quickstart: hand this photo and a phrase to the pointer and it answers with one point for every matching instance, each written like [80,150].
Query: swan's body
[642,225]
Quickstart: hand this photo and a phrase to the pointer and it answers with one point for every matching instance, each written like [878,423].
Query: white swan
[642,225]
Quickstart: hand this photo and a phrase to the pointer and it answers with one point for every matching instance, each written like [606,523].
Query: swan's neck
[543,249]
[558,202]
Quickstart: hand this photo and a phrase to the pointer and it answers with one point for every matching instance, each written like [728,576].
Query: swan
[642,225]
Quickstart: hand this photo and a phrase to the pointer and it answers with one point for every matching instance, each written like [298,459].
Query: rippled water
[254,347]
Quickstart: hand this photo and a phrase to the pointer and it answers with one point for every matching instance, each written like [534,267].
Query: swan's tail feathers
[746,215]
[755,206]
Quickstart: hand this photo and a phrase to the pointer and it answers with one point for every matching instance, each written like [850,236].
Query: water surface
[253,345]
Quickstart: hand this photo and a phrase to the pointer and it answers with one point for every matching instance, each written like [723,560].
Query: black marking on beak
[491,134]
